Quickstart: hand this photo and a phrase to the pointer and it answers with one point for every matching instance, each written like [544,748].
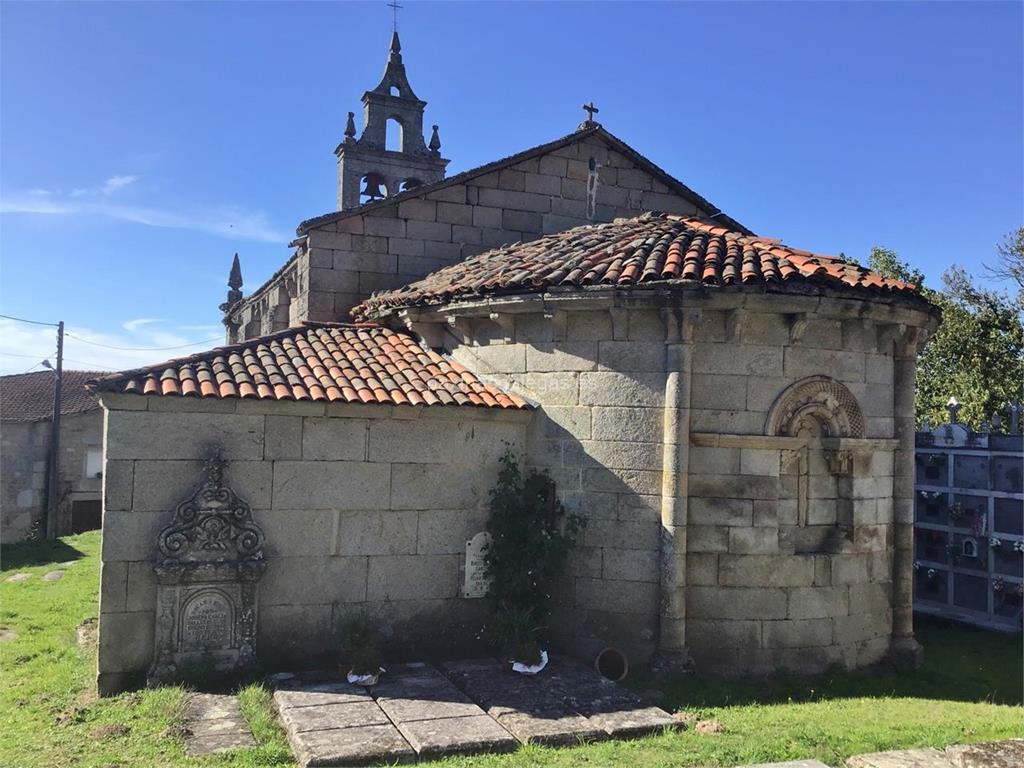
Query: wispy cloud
[223,221]
[144,341]
[134,325]
[115,183]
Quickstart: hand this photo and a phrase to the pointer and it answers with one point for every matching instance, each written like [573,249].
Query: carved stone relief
[209,560]
[816,407]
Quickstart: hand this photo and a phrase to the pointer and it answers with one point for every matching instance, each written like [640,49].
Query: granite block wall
[341,263]
[24,452]
[365,509]
[788,559]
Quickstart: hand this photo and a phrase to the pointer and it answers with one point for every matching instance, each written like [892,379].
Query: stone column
[672,650]
[905,650]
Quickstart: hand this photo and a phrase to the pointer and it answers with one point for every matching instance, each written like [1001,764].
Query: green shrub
[531,536]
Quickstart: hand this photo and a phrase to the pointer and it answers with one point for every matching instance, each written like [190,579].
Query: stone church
[733,417]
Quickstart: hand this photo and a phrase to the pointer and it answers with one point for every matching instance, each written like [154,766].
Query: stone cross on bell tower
[367,169]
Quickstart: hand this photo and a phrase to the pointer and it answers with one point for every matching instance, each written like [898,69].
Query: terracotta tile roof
[336,362]
[29,396]
[652,249]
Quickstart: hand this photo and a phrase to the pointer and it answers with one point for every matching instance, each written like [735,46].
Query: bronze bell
[373,188]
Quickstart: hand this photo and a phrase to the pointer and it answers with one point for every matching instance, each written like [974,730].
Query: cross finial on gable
[591,110]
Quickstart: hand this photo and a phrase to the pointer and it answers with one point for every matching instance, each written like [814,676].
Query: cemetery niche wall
[969,522]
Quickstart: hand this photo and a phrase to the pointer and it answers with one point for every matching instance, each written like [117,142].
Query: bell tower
[367,169]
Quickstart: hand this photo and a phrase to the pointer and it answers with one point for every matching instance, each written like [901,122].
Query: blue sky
[144,143]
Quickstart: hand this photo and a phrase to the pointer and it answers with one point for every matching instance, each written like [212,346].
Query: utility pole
[53,468]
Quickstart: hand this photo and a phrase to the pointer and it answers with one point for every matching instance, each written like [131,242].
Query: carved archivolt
[816,407]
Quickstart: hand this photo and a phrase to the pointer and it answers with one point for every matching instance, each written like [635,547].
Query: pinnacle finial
[350,126]
[235,278]
[234,285]
[435,141]
[396,44]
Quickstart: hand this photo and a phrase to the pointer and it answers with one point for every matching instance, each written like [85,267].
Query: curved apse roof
[651,249]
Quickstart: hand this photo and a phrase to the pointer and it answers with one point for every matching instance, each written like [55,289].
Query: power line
[23,320]
[142,349]
[70,360]
[111,346]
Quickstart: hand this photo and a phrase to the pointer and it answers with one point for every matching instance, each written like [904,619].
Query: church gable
[343,257]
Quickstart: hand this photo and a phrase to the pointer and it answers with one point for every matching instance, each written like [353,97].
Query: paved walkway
[473,706]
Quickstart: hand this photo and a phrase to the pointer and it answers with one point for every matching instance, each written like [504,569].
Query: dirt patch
[688,719]
[709,727]
[111,731]
[6,635]
[86,634]
[20,577]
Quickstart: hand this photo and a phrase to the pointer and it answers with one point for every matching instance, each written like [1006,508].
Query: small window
[395,92]
[93,463]
[970,548]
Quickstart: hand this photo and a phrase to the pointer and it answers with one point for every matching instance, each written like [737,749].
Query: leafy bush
[531,536]
[516,635]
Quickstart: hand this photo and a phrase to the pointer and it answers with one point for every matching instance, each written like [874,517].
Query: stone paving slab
[992,754]
[299,695]
[617,711]
[530,708]
[927,757]
[215,723]
[457,735]
[327,717]
[790,764]
[360,745]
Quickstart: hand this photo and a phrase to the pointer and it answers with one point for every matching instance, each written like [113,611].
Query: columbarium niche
[209,561]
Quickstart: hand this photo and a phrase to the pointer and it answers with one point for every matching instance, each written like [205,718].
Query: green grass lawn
[969,690]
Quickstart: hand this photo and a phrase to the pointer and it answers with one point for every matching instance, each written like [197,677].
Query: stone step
[215,723]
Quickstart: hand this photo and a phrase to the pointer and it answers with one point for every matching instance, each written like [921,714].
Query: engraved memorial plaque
[475,582]
[207,622]
[210,558]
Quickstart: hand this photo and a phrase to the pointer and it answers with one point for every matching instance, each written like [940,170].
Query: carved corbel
[680,324]
[797,327]
[735,322]
[840,463]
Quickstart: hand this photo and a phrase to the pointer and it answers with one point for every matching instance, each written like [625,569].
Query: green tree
[977,353]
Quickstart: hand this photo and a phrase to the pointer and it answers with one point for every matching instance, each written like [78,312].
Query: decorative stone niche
[208,565]
[819,477]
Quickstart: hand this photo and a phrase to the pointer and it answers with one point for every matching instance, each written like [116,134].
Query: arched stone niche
[816,478]
[817,406]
